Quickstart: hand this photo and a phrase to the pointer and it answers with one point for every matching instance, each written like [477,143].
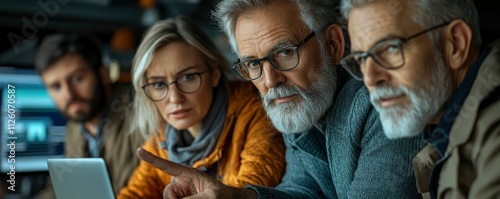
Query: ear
[335,42]
[104,75]
[215,77]
[457,40]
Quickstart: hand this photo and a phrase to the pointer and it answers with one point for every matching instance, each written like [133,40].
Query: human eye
[187,77]
[77,79]
[391,49]
[388,49]
[359,59]
[389,54]
[253,64]
[158,85]
[284,53]
[55,87]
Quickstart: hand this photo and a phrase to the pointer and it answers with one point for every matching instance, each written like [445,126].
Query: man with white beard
[291,51]
[428,75]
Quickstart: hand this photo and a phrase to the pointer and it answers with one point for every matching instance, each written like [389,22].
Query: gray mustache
[386,92]
[281,91]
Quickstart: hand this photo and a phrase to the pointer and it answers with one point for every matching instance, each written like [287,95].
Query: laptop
[77,178]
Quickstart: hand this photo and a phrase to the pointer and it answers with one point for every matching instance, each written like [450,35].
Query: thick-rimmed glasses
[187,83]
[283,59]
[388,54]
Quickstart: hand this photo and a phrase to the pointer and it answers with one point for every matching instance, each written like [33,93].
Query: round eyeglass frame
[198,74]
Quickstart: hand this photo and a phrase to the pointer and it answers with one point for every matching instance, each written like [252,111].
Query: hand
[192,183]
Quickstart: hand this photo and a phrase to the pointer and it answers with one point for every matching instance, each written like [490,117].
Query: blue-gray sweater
[352,159]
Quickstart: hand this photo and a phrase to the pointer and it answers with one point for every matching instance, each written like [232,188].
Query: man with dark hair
[97,111]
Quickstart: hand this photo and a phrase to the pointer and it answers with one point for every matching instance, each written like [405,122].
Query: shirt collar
[94,143]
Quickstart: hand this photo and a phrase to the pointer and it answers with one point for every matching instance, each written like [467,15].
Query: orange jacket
[249,150]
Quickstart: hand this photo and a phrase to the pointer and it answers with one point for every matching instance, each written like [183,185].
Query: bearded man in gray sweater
[336,148]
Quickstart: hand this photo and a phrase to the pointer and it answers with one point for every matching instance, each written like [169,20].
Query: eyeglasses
[283,59]
[187,83]
[388,54]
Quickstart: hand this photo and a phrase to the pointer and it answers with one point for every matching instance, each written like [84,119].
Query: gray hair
[146,118]
[429,13]
[316,14]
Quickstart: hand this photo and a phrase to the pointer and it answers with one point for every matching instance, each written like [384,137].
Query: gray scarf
[188,152]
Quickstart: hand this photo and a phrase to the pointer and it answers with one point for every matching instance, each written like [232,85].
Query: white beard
[426,100]
[300,115]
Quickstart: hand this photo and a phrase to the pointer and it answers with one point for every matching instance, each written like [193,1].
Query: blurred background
[119,24]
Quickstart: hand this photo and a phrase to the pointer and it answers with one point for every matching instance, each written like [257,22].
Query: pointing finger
[171,168]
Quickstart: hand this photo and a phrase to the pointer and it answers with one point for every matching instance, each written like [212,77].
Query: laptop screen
[80,178]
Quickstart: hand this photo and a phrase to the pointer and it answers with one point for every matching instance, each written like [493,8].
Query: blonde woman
[205,121]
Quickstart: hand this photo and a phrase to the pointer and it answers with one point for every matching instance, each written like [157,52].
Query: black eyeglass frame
[238,63]
[199,74]
[397,41]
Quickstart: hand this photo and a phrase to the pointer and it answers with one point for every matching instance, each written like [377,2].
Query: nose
[174,95]
[373,73]
[68,92]
[271,75]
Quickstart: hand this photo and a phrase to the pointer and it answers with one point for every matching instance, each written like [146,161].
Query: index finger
[171,168]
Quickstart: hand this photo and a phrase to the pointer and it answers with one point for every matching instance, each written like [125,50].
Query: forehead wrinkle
[258,30]
[159,74]
[166,61]
[373,27]
[264,42]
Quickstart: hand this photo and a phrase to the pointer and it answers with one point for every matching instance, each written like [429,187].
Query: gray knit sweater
[351,159]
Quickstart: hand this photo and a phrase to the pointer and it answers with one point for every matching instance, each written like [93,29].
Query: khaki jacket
[249,150]
[119,144]
[472,169]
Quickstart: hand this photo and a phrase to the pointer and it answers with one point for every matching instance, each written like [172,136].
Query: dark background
[31,21]
[23,23]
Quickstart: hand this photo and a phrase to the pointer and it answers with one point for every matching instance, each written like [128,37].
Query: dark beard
[96,104]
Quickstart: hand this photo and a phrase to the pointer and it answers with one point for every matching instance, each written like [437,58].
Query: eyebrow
[70,75]
[76,72]
[79,70]
[176,74]
[280,44]
[383,39]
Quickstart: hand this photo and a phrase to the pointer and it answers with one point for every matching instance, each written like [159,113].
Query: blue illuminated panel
[39,127]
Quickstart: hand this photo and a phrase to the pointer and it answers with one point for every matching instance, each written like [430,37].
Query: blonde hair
[146,118]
